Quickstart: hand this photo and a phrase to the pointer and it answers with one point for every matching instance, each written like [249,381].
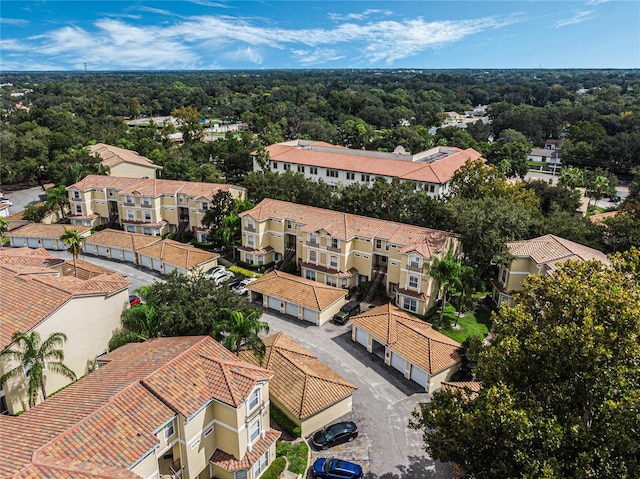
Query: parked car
[235,282]
[241,288]
[133,300]
[336,469]
[335,434]
[223,277]
[350,309]
[4,199]
[614,199]
[213,271]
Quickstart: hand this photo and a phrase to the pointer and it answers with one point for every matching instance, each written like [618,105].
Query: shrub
[287,424]
[298,456]
[243,272]
[275,469]
[291,267]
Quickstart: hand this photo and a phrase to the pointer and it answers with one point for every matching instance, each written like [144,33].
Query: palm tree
[599,186]
[446,272]
[74,241]
[571,177]
[4,228]
[33,356]
[238,330]
[59,198]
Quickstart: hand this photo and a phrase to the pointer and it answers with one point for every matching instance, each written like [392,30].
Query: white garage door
[157,264]
[362,337]
[116,253]
[129,256]
[310,315]
[168,268]
[274,303]
[419,375]
[47,243]
[19,241]
[33,243]
[291,309]
[398,362]
[102,250]
[145,261]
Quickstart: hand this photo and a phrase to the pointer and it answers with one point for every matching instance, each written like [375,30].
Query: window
[344,282]
[76,195]
[378,243]
[111,193]
[208,432]
[205,205]
[310,275]
[286,167]
[128,199]
[248,259]
[333,261]
[410,304]
[131,215]
[254,399]
[351,175]
[313,170]
[413,281]
[414,261]
[261,465]
[504,276]
[180,199]
[241,474]
[250,240]
[254,431]
[300,169]
[78,209]
[146,231]
[432,188]
[366,178]
[335,243]
[169,431]
[250,224]
[332,281]
[312,256]
[274,165]
[131,229]
[289,224]
[260,259]
[147,215]
[313,238]
[146,201]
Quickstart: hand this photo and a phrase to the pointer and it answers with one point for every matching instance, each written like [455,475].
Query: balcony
[170,469]
[335,250]
[146,205]
[251,228]
[417,269]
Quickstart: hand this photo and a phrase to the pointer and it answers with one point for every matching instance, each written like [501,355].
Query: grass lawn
[473,323]
[296,453]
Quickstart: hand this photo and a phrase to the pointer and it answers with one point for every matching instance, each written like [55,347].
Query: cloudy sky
[225,34]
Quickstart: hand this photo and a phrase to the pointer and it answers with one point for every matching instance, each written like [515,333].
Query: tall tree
[571,177]
[4,228]
[74,242]
[560,382]
[58,198]
[33,357]
[446,272]
[239,330]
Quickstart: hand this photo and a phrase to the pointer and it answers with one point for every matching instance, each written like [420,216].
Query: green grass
[275,469]
[473,323]
[297,454]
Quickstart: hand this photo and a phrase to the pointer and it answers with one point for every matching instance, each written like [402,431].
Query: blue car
[336,469]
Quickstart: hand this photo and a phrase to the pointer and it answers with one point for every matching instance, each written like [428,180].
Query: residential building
[345,250]
[167,408]
[429,170]
[305,389]
[546,159]
[537,256]
[145,205]
[38,294]
[408,344]
[47,236]
[125,163]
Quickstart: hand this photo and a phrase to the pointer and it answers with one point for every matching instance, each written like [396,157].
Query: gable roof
[305,292]
[436,165]
[178,254]
[410,337]
[301,382]
[121,239]
[425,241]
[112,156]
[108,420]
[53,231]
[550,249]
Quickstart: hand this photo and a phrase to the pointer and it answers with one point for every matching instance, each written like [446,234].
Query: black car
[335,434]
[350,309]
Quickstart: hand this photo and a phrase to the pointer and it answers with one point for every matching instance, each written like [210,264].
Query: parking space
[386,447]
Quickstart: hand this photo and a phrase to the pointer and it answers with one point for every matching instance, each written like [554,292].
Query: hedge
[275,469]
[285,423]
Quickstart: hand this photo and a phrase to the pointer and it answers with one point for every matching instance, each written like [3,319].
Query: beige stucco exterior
[131,170]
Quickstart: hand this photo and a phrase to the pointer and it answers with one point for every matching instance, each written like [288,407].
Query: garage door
[168,268]
[145,261]
[33,243]
[398,362]
[102,250]
[291,309]
[310,315]
[274,303]
[157,264]
[362,337]
[116,253]
[18,241]
[419,375]
[47,243]
[129,256]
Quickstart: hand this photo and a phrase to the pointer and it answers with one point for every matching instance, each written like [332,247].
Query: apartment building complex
[122,162]
[145,205]
[429,170]
[344,250]
[166,408]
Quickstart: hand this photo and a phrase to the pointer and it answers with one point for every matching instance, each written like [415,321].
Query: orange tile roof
[152,187]
[53,231]
[406,167]
[305,292]
[410,337]
[178,254]
[469,388]
[112,156]
[108,419]
[227,462]
[121,239]
[345,226]
[301,382]
[549,249]
[38,257]
[86,270]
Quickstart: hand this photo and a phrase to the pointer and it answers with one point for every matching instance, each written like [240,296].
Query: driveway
[386,448]
[22,198]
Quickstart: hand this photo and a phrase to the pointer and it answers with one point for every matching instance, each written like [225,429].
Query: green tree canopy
[74,241]
[238,330]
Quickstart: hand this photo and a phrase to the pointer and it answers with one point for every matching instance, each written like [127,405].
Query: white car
[241,288]
[214,271]
[222,277]
[4,199]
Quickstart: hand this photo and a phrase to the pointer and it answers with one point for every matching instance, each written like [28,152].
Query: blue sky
[221,34]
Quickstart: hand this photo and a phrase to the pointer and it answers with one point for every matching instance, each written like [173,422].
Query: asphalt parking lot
[385,447]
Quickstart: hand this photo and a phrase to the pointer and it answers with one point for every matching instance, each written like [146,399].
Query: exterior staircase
[182,226]
[112,219]
[288,255]
[373,287]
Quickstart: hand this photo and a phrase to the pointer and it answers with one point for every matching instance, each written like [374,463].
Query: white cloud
[597,2]
[18,22]
[207,3]
[159,11]
[317,56]
[247,54]
[358,16]
[578,17]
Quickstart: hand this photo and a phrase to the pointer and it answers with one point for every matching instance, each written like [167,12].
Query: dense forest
[48,119]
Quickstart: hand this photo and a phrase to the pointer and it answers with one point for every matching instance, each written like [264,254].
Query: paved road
[382,405]
[22,198]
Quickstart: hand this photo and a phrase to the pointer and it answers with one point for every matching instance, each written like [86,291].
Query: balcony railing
[417,269]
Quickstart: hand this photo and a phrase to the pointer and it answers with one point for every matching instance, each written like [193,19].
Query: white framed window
[251,240]
[254,431]
[128,199]
[332,281]
[111,193]
[76,195]
[410,304]
[146,201]
[414,261]
[313,238]
[250,223]
[274,165]
[310,275]
[260,466]
[147,215]
[180,199]
[146,231]
[131,215]
[260,259]
[289,224]
[312,256]
[78,209]
[169,431]
[344,282]
[335,243]
[300,169]
[432,188]
[248,259]
[286,167]
[504,276]
[131,229]
[332,173]
[366,178]
[313,170]
[241,474]
[378,243]
[156,232]
[413,281]
[351,175]
[205,205]
[254,400]
[333,261]
[208,432]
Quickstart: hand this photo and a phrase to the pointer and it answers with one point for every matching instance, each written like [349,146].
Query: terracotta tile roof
[345,226]
[549,249]
[178,254]
[469,388]
[37,257]
[600,217]
[86,270]
[109,418]
[341,274]
[307,293]
[229,463]
[112,156]
[411,338]
[39,230]
[121,239]
[152,187]
[433,166]
[301,382]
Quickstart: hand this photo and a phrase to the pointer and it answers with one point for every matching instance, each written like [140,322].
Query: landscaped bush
[291,267]
[298,455]
[275,469]
[285,423]
[243,272]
